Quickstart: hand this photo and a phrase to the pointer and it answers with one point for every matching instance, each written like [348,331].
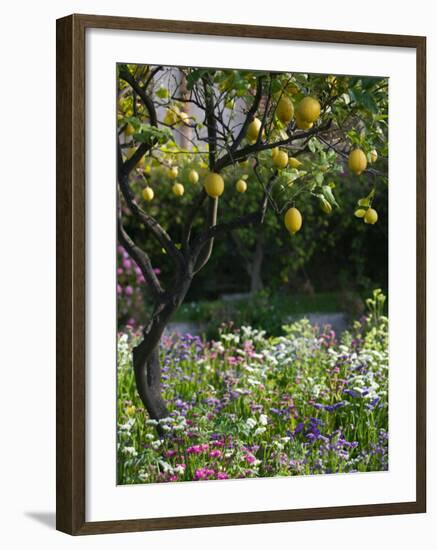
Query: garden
[252,274]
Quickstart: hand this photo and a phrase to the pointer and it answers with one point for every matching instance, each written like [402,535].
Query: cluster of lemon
[307,112]
[357,163]
[177,188]
[214,184]
[305,115]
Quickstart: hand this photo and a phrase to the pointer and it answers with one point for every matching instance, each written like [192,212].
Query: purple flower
[203,473]
[249,458]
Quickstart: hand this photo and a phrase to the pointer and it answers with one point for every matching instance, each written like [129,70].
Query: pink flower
[249,458]
[128,290]
[170,453]
[194,450]
[203,473]
[222,475]
[127,264]
[215,453]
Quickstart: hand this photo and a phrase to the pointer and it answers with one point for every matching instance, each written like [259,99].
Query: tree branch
[250,115]
[218,230]
[147,100]
[244,152]
[149,221]
[211,123]
[141,259]
[191,214]
[206,250]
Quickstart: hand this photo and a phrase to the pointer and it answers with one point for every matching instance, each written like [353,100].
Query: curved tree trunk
[146,362]
[148,381]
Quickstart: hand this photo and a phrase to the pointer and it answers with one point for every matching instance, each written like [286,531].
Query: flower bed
[247,405]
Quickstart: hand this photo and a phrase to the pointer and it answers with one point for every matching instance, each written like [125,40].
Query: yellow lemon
[371,216]
[275,151]
[173,172]
[184,117]
[214,184]
[253,129]
[360,213]
[178,189]
[193,177]
[373,155]
[281,159]
[241,186]
[357,161]
[325,206]
[292,89]
[294,163]
[293,220]
[285,110]
[170,117]
[129,130]
[148,194]
[302,124]
[309,109]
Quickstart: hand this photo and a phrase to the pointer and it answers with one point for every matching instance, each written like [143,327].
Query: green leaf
[364,99]
[319,177]
[152,136]
[329,195]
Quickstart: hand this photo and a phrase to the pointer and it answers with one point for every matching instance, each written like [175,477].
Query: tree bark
[256,283]
[146,362]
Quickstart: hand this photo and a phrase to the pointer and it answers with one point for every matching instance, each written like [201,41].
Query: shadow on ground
[45,518]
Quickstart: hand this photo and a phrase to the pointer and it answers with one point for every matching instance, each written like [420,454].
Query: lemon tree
[279,142]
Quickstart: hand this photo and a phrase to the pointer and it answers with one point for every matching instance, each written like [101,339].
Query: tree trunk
[256,283]
[146,362]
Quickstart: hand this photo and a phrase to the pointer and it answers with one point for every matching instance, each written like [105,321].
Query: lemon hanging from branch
[293,220]
[193,177]
[253,129]
[173,172]
[241,186]
[281,159]
[148,194]
[178,189]
[371,216]
[294,162]
[309,109]
[357,161]
[214,185]
[302,124]
[285,110]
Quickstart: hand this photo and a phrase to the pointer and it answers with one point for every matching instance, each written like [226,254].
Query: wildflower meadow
[247,405]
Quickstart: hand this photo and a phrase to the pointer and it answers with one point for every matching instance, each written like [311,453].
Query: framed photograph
[240,274]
